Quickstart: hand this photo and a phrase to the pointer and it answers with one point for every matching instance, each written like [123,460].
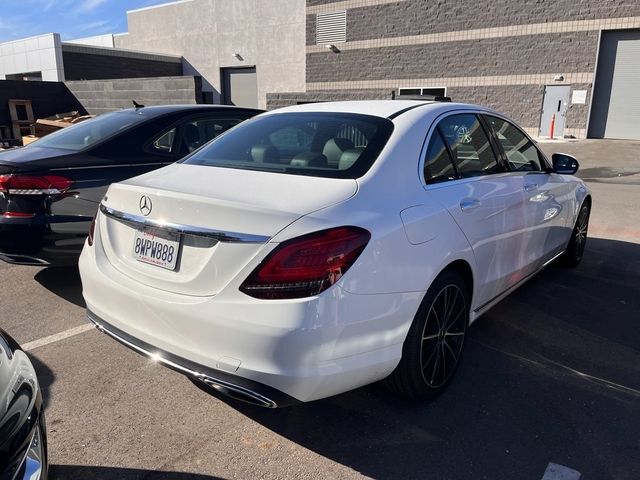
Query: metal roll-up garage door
[615,111]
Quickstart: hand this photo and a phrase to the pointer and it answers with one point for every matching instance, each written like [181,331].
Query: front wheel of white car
[575,250]
[433,347]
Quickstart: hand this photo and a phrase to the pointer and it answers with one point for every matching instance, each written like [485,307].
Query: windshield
[89,132]
[336,145]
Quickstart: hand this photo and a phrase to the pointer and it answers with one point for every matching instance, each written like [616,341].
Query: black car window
[165,142]
[322,144]
[522,154]
[438,166]
[196,133]
[87,133]
[469,145]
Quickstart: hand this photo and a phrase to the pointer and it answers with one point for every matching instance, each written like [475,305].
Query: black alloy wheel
[432,350]
[575,250]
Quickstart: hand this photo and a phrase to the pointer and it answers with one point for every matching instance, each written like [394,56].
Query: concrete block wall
[497,53]
[101,96]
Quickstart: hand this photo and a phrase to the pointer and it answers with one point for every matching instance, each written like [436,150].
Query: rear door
[462,171]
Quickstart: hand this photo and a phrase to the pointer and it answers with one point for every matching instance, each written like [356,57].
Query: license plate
[157,248]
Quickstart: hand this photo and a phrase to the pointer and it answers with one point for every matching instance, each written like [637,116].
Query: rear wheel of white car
[575,250]
[433,347]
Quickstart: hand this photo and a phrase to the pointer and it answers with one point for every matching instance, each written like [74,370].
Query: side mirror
[564,164]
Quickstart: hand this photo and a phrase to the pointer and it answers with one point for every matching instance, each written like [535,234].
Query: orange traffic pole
[553,126]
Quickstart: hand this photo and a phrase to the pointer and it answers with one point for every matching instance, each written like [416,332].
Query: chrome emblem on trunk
[145,205]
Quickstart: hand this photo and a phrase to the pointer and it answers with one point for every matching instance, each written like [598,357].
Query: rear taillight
[34,184]
[92,232]
[307,265]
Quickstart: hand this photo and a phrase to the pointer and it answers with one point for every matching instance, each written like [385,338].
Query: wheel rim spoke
[443,335]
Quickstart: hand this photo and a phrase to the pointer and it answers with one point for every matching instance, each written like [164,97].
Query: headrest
[349,157]
[265,154]
[333,149]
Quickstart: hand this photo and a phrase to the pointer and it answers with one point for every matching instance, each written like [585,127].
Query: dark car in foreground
[50,190]
[23,440]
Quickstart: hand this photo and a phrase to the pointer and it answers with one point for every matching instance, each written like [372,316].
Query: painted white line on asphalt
[560,472]
[57,337]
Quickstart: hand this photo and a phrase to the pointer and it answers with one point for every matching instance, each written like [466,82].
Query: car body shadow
[62,281]
[544,379]
[45,375]
[81,472]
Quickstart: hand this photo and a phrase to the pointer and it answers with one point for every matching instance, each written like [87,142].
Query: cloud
[90,5]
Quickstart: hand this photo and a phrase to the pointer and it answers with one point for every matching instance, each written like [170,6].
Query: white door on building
[554,109]
[615,112]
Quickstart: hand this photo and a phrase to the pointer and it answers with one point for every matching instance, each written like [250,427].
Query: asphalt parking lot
[550,375]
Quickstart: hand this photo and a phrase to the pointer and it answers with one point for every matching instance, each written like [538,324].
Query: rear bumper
[303,349]
[225,383]
[56,244]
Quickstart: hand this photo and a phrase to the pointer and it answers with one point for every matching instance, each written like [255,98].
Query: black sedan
[23,440]
[50,190]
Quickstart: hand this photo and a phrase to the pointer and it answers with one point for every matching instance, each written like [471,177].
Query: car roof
[379,108]
[157,110]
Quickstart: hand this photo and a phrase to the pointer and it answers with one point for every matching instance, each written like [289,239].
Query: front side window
[469,145]
[522,154]
[322,144]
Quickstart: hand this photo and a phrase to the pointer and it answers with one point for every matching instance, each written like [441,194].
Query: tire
[578,241]
[432,350]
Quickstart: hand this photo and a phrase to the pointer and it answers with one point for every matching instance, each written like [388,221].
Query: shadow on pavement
[551,374]
[46,377]
[78,472]
[64,282]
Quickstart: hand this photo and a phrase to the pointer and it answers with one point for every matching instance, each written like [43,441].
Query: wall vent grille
[331,28]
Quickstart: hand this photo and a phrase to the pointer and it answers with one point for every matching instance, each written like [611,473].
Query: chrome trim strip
[220,235]
[519,284]
[220,385]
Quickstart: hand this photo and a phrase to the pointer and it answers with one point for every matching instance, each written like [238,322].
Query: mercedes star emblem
[145,205]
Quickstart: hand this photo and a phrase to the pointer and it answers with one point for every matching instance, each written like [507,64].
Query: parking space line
[57,337]
[560,472]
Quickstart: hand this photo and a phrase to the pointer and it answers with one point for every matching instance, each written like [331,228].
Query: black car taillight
[17,184]
[307,265]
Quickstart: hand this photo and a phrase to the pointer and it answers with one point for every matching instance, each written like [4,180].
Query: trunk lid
[248,205]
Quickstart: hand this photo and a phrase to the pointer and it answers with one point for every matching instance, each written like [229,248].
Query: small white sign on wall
[579,97]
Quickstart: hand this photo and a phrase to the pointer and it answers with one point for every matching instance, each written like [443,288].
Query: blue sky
[70,18]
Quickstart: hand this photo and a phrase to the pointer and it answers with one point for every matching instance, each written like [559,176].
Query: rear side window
[522,154]
[196,133]
[438,166]
[469,145]
[334,145]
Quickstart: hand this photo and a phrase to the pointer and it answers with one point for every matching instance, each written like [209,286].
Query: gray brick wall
[85,66]
[559,52]
[279,100]
[100,96]
[416,17]
[523,103]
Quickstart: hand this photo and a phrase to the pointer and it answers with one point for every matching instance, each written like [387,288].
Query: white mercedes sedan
[318,248]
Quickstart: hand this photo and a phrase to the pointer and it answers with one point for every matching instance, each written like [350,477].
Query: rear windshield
[317,144]
[89,132]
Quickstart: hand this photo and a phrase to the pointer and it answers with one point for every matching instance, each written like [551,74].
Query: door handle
[530,187]
[469,204]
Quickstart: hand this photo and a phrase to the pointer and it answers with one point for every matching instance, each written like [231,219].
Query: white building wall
[42,53]
[269,34]
[96,41]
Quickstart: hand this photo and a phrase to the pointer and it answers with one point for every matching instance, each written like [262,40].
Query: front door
[554,110]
